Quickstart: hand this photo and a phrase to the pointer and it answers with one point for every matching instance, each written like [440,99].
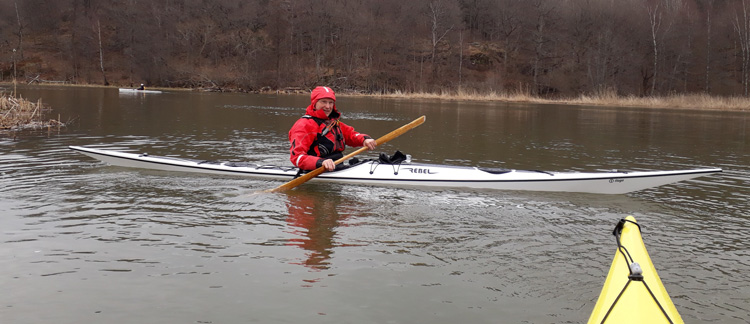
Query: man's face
[326,104]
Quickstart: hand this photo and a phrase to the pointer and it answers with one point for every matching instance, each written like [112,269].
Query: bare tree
[542,11]
[709,12]
[439,25]
[655,21]
[508,26]
[460,58]
[19,45]
[442,17]
[741,25]
[101,50]
[600,61]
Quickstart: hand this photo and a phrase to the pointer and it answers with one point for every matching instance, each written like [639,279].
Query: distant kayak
[127,90]
[633,291]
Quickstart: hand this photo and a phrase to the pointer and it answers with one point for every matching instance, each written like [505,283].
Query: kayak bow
[633,291]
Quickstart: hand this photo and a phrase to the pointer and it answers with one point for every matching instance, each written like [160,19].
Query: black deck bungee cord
[634,275]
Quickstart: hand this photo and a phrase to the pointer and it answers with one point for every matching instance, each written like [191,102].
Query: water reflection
[313,219]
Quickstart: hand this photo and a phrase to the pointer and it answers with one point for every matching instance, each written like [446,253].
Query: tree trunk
[20,31]
[709,10]
[538,47]
[438,30]
[654,17]
[742,26]
[101,51]
[460,58]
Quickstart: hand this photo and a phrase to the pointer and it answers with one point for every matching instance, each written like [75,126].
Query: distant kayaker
[141,87]
[319,138]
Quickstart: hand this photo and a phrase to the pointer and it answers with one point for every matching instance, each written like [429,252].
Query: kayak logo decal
[420,170]
[616,180]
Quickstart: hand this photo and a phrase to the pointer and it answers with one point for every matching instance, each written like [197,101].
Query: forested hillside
[545,47]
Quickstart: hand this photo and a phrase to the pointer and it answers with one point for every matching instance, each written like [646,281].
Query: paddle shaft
[382,140]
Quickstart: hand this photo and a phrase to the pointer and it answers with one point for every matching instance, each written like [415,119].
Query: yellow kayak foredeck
[633,299]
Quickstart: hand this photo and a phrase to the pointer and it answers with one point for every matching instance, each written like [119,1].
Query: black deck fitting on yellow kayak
[635,295]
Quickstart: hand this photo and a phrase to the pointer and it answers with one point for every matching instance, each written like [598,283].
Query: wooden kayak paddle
[382,140]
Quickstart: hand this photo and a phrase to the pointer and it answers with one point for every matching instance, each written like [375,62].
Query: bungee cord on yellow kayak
[633,291]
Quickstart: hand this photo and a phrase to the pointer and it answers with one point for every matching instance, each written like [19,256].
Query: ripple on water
[85,238]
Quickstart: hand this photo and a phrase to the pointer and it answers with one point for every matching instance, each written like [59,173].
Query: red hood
[320,93]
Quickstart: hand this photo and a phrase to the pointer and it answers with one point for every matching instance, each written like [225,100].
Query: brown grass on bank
[17,113]
[699,101]
[603,98]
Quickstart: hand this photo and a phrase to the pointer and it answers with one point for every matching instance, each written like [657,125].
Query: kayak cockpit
[495,170]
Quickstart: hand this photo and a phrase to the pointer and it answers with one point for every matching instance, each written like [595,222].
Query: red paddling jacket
[316,137]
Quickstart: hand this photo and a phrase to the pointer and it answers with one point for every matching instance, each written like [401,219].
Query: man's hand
[329,165]
[370,144]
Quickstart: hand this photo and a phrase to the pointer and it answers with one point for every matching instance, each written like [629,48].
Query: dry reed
[606,97]
[17,113]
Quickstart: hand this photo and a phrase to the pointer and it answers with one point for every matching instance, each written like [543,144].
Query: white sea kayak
[406,173]
[128,90]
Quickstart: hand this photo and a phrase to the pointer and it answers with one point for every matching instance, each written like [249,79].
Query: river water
[84,242]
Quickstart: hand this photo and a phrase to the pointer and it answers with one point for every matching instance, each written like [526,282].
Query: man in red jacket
[319,138]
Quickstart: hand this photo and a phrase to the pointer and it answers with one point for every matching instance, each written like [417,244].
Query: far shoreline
[695,101]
